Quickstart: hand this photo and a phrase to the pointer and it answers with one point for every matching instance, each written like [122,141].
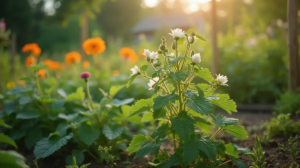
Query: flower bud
[159,52]
[196,59]
[162,47]
[173,46]
[193,34]
[163,39]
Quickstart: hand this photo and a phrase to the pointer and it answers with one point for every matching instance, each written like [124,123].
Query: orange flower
[54,65]
[94,46]
[47,62]
[32,48]
[115,73]
[128,54]
[72,57]
[30,61]
[86,64]
[42,73]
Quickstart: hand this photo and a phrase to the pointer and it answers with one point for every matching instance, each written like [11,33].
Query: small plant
[258,155]
[292,148]
[265,140]
[180,106]
[75,164]
[108,157]
[288,103]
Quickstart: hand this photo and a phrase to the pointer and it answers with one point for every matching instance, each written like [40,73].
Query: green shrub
[289,102]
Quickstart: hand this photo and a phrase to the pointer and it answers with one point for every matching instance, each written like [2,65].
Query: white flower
[152,82]
[196,59]
[222,79]
[150,55]
[171,55]
[135,70]
[177,33]
[190,39]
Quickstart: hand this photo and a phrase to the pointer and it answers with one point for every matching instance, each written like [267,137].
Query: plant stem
[164,153]
[88,93]
[38,83]
[215,134]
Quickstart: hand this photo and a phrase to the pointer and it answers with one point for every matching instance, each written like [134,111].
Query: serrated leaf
[137,142]
[159,113]
[204,74]
[32,137]
[200,37]
[190,94]
[231,150]
[112,132]
[28,115]
[48,146]
[157,72]
[199,105]
[178,76]
[118,103]
[205,145]
[12,159]
[220,147]
[87,134]
[3,124]
[62,128]
[239,162]
[190,150]
[201,120]
[147,117]
[174,160]
[6,139]
[183,125]
[144,68]
[114,90]
[221,120]
[140,106]
[161,132]
[225,103]
[152,147]
[237,131]
[79,95]
[131,79]
[161,101]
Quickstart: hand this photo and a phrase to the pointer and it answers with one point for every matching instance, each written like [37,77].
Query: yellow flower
[10,85]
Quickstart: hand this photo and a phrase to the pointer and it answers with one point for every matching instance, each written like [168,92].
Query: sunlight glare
[151,3]
[193,7]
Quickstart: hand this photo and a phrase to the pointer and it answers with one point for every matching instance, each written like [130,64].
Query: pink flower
[2,26]
[85,75]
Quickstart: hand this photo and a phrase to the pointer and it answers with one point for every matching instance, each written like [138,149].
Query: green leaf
[239,162]
[87,134]
[79,95]
[131,79]
[12,159]
[112,132]
[204,74]
[118,103]
[161,132]
[190,150]
[200,105]
[137,142]
[48,146]
[190,94]
[32,137]
[178,76]
[28,115]
[212,98]
[159,113]
[174,160]
[176,60]
[79,156]
[161,101]
[242,150]
[237,131]
[190,31]
[181,41]
[200,37]
[147,117]
[57,105]
[220,147]
[221,120]
[114,90]
[152,147]
[231,150]
[3,124]
[140,106]
[157,72]
[62,128]
[104,101]
[25,100]
[201,120]
[205,145]
[6,139]
[144,68]
[225,103]
[183,125]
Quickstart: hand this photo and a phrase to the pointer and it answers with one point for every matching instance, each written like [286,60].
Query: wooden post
[215,56]
[293,44]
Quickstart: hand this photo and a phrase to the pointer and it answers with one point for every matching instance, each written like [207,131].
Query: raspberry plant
[184,109]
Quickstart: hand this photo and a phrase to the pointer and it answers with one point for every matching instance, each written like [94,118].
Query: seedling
[292,148]
[108,157]
[258,155]
[75,165]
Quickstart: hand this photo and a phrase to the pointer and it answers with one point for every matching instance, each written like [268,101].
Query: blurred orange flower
[94,46]
[55,65]
[47,62]
[128,54]
[72,57]
[21,83]
[42,73]
[115,73]
[32,48]
[142,53]
[30,60]
[86,64]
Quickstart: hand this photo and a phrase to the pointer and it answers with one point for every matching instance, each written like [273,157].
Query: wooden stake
[293,45]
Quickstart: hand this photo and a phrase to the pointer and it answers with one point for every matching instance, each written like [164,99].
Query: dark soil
[274,157]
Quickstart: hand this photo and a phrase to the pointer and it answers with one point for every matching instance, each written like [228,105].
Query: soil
[274,157]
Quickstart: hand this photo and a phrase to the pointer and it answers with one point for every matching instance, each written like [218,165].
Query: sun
[151,3]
